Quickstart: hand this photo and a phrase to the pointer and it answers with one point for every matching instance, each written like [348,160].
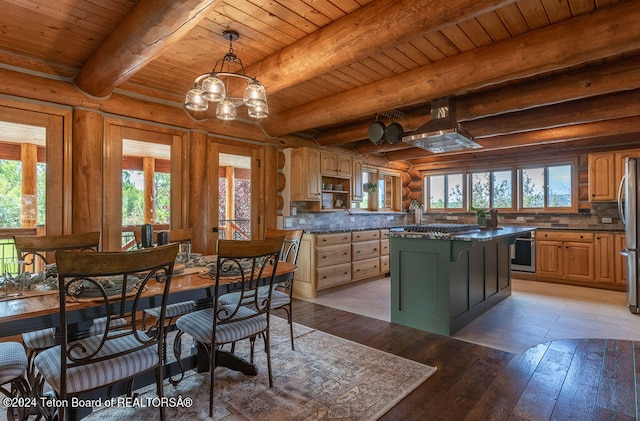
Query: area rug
[325,378]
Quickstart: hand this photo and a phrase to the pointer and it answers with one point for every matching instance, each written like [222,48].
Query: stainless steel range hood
[443,133]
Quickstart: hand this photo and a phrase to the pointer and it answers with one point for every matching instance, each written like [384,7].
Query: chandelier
[216,87]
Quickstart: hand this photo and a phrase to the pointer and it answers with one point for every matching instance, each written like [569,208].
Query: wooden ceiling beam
[601,129]
[550,48]
[360,34]
[620,75]
[150,28]
[604,107]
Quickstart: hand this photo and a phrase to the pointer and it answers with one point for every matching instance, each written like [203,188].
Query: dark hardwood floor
[581,379]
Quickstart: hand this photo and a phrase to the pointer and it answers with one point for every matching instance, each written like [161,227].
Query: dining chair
[175,310]
[38,254]
[114,282]
[282,292]
[247,265]
[13,365]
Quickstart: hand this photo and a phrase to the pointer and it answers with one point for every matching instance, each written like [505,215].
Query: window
[548,187]
[492,189]
[387,193]
[444,191]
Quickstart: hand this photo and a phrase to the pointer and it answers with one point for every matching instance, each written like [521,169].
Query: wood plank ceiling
[527,72]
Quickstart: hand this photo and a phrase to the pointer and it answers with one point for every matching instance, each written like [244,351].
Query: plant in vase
[370,187]
[481,214]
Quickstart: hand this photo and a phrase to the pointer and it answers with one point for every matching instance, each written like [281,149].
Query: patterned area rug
[325,378]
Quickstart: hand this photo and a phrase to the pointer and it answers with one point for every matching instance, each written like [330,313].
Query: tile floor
[535,312]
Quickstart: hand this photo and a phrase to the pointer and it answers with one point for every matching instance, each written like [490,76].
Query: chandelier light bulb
[195,101]
[259,111]
[254,94]
[213,88]
[226,110]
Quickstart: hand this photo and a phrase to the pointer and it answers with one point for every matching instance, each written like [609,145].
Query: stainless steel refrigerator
[629,206]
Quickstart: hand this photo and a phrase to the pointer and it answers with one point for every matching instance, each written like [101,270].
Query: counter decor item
[492,223]
[481,214]
[417,209]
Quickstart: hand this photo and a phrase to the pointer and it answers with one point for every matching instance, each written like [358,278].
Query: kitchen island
[440,282]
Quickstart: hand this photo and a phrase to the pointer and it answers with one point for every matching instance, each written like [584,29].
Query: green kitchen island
[442,282]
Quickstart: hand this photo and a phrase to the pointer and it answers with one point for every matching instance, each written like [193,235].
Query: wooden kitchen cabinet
[565,255]
[334,164]
[619,161]
[601,177]
[302,171]
[604,258]
[605,173]
[332,259]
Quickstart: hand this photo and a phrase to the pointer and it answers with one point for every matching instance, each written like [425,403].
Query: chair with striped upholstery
[248,265]
[174,310]
[13,365]
[281,293]
[119,353]
[37,251]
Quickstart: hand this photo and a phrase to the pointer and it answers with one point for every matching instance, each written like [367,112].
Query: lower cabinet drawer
[365,268]
[384,247]
[384,264]
[333,275]
[365,250]
[331,255]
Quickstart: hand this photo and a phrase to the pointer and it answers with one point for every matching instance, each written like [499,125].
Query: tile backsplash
[335,221]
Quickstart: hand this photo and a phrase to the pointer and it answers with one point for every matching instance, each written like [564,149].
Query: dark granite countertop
[333,230]
[476,235]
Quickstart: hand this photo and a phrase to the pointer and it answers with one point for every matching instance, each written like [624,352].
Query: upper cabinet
[302,171]
[334,164]
[605,173]
[601,177]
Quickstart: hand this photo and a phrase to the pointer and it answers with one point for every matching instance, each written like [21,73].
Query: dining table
[38,309]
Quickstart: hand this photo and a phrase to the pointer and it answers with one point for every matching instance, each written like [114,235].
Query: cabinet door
[620,260]
[344,166]
[314,181]
[329,163]
[619,159]
[305,182]
[578,260]
[549,258]
[356,180]
[604,259]
[601,177]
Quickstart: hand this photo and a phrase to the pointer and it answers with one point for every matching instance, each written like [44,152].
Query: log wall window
[22,176]
[548,187]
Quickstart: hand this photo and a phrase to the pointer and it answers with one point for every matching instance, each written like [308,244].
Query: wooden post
[149,208]
[29,206]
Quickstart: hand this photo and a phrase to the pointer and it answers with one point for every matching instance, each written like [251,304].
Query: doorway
[235,181]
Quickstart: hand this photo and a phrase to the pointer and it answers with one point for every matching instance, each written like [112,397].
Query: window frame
[517,195]
[491,170]
[375,176]
[573,163]
[426,191]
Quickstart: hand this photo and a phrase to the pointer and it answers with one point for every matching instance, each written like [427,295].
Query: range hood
[442,133]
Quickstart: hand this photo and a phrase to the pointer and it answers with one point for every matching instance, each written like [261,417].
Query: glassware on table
[13,279]
[184,252]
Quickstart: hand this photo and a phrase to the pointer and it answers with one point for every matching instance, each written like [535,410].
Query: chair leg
[267,346]
[160,389]
[212,367]
[290,320]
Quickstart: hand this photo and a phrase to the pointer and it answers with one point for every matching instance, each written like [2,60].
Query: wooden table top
[25,308]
